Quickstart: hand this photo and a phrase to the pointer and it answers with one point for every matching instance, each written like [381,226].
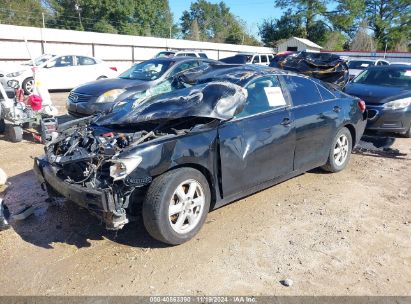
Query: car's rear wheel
[28,85]
[340,151]
[14,133]
[176,205]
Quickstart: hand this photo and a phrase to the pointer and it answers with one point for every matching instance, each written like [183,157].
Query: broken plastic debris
[24,213]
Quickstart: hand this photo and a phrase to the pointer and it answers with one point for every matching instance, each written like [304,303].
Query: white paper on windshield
[364,65]
[275,96]
[407,73]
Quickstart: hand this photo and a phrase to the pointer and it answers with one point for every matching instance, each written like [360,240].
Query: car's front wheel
[176,205]
[340,151]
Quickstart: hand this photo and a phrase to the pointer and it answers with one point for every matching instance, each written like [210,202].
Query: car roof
[390,67]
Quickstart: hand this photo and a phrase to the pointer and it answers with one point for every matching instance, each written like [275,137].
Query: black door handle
[337,109]
[286,122]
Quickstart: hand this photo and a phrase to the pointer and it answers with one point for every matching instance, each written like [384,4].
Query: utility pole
[78,9]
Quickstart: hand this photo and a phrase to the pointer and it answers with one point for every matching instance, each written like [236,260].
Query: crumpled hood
[98,87]
[375,94]
[220,100]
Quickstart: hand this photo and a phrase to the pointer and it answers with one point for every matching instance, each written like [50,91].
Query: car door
[258,144]
[86,70]
[316,120]
[59,73]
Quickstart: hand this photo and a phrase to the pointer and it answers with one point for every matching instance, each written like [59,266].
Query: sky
[251,11]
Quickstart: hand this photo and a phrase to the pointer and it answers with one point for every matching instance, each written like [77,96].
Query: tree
[308,11]
[22,12]
[215,23]
[273,30]
[362,41]
[390,21]
[142,17]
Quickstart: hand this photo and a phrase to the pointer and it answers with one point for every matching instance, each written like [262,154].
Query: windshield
[386,77]
[359,64]
[147,70]
[39,60]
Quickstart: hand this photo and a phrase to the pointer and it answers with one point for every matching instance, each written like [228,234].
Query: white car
[169,54]
[356,66]
[58,72]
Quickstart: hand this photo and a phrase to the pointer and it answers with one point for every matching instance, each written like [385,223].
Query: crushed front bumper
[102,203]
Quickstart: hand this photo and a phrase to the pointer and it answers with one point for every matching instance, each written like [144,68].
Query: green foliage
[134,17]
[213,22]
[21,12]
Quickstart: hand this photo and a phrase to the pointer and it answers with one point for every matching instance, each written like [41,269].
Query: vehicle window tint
[384,63]
[202,55]
[264,59]
[263,94]
[325,94]
[302,90]
[64,61]
[256,59]
[81,60]
[184,66]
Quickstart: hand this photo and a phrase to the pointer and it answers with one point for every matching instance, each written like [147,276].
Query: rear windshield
[398,77]
[360,64]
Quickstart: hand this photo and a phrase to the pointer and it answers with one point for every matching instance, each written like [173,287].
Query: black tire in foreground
[28,85]
[340,151]
[176,205]
[14,133]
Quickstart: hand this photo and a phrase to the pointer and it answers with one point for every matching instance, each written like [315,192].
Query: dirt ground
[333,234]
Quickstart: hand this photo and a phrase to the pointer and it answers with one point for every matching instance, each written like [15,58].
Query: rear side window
[256,59]
[202,55]
[264,59]
[81,60]
[325,94]
[302,90]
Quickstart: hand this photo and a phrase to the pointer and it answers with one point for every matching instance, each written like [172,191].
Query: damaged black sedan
[225,134]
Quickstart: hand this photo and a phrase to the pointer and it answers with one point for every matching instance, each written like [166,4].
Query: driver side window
[264,94]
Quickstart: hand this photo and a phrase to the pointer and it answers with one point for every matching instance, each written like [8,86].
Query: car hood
[98,87]
[12,67]
[373,94]
[220,100]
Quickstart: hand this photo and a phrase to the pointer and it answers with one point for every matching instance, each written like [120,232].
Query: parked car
[249,58]
[387,93]
[357,66]
[279,56]
[169,54]
[401,63]
[58,72]
[100,96]
[177,155]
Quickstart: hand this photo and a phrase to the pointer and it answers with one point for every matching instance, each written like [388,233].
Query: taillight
[113,68]
[361,105]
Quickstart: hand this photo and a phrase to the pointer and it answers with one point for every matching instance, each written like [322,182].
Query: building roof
[308,42]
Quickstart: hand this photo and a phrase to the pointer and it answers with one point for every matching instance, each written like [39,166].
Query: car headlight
[123,167]
[110,96]
[15,74]
[398,104]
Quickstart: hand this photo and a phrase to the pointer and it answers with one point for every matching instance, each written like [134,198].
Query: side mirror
[13,84]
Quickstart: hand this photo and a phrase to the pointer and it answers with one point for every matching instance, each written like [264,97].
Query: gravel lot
[331,234]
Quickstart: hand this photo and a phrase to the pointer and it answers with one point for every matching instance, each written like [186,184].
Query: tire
[175,228]
[408,133]
[2,125]
[28,85]
[14,133]
[338,161]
